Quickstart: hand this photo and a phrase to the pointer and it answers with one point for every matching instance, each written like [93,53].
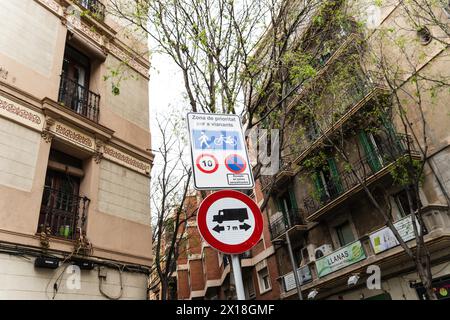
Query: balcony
[282,224]
[353,100]
[337,191]
[95,7]
[78,98]
[63,214]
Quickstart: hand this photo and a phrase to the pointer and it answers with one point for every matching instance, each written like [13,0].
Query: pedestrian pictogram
[207,163]
[235,163]
[230,221]
[219,153]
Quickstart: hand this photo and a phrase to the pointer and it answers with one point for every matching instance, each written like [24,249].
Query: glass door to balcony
[60,204]
[327,181]
[371,150]
[287,204]
[75,81]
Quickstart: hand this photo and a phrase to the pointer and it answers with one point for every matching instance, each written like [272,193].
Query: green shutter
[335,176]
[318,184]
[292,198]
[393,137]
[369,150]
[280,204]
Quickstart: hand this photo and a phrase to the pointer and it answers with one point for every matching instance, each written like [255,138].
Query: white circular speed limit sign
[207,163]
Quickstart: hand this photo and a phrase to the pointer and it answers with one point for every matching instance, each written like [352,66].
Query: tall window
[345,233]
[403,204]
[327,181]
[264,280]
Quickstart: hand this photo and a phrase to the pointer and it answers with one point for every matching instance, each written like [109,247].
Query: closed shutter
[292,198]
[369,150]
[336,178]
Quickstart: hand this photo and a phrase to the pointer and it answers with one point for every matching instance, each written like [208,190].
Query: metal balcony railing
[97,8]
[387,153]
[285,222]
[78,98]
[64,214]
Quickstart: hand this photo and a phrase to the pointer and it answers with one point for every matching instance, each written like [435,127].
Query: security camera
[312,294]
[353,280]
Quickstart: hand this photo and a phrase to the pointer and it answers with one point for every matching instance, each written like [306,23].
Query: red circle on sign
[216,163]
[235,167]
[219,245]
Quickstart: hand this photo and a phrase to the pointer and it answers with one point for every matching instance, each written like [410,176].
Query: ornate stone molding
[47,133]
[127,160]
[98,155]
[75,23]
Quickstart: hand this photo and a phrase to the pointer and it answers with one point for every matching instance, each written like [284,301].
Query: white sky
[165,93]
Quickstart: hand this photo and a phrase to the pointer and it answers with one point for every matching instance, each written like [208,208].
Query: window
[424,35]
[249,287]
[446,7]
[74,90]
[402,203]
[345,233]
[63,211]
[327,182]
[312,130]
[264,280]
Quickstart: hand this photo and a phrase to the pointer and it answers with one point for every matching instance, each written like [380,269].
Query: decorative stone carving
[47,134]
[98,155]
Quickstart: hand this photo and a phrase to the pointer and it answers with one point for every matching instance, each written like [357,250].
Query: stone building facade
[338,237]
[74,160]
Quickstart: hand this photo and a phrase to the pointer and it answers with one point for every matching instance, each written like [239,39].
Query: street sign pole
[228,220]
[237,271]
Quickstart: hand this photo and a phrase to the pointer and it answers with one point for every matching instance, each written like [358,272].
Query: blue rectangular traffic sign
[216,140]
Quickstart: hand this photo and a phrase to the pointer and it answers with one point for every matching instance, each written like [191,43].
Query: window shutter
[292,198]
[369,150]
[393,138]
[335,176]
[318,184]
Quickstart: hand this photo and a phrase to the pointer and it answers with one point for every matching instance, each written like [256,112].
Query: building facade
[74,153]
[318,198]
[203,273]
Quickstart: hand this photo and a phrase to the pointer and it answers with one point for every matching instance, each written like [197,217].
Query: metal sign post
[237,272]
[228,220]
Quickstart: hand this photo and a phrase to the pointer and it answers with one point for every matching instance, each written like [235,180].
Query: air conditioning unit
[323,250]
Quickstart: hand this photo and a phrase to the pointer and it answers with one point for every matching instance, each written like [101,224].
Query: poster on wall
[384,239]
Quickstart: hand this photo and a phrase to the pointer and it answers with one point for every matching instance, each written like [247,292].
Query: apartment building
[337,235]
[74,153]
[203,273]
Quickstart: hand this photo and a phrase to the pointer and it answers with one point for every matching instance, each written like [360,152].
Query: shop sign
[341,258]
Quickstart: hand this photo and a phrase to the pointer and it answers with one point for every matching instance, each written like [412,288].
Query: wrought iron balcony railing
[78,98]
[97,8]
[279,226]
[63,214]
[365,167]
